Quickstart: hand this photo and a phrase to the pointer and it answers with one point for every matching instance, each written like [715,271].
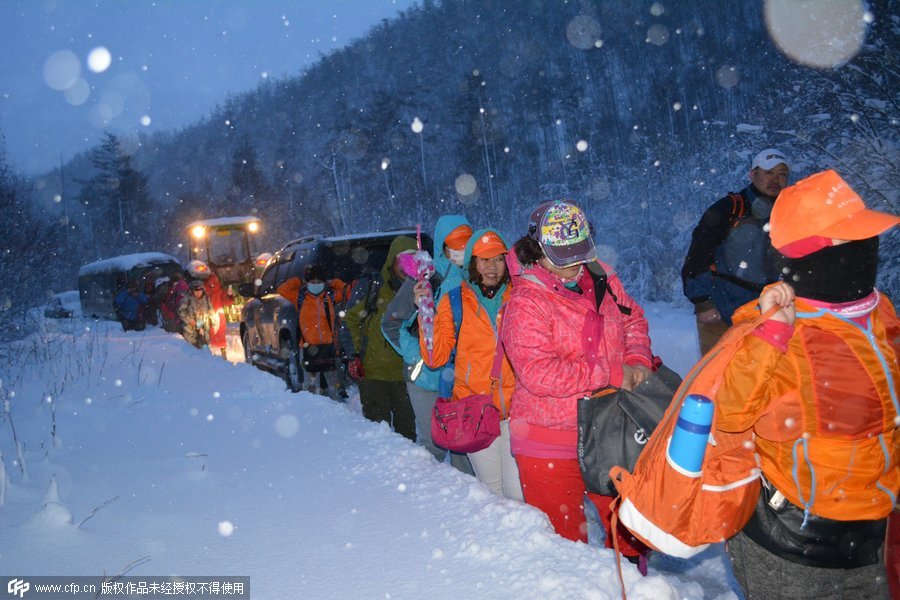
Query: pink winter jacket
[561,348]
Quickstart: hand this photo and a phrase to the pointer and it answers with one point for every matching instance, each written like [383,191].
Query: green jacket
[380,360]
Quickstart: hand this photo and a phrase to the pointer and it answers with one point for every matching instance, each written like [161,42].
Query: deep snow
[198,466]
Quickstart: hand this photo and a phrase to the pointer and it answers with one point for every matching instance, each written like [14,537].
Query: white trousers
[496,467]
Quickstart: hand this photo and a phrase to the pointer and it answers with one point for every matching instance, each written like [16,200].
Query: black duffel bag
[614,425]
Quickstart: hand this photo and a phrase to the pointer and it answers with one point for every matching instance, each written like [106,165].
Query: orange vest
[475,349]
[824,412]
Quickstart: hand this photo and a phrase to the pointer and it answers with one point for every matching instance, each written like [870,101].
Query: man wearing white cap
[731,258]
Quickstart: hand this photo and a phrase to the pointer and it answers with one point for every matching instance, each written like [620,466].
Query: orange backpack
[679,514]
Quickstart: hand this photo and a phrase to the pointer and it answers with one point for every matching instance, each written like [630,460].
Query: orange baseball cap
[489,245]
[821,207]
[458,238]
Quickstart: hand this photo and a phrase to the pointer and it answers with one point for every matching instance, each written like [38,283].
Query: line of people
[817,382]
[190,303]
[560,322]
[544,322]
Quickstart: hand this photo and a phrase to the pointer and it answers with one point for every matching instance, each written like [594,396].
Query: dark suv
[269,322]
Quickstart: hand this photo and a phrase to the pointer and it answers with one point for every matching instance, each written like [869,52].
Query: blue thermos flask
[687,446]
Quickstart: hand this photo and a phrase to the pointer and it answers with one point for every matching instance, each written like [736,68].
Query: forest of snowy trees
[644,113]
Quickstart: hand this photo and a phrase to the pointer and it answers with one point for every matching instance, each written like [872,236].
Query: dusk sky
[72,69]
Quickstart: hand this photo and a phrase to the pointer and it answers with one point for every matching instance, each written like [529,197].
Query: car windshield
[228,246]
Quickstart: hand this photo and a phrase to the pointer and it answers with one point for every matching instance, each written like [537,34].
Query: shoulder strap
[372,293]
[446,380]
[455,297]
[738,208]
[329,301]
[601,287]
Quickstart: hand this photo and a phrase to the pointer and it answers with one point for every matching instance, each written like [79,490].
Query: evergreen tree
[249,192]
[116,201]
[28,269]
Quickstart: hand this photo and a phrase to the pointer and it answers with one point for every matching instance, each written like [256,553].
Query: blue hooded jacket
[451,276]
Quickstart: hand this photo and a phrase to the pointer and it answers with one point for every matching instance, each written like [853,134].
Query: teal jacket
[402,313]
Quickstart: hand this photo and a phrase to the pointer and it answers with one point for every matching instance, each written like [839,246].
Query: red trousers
[217,335]
[555,486]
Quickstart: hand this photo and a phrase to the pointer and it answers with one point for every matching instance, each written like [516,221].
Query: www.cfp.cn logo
[17,587]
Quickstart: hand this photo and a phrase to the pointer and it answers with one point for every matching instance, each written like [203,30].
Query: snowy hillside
[138,453]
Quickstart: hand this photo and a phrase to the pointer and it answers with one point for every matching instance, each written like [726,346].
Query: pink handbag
[471,423]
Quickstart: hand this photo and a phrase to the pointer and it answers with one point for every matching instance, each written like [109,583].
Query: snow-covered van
[99,282]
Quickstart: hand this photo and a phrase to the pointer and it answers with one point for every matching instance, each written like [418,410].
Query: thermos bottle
[687,446]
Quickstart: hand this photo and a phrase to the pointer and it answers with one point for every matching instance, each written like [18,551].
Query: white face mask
[315,288]
[457,256]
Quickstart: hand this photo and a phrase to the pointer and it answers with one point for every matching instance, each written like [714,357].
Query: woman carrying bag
[484,293]
[569,329]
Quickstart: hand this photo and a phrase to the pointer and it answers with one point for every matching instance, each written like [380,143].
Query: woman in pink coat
[570,329]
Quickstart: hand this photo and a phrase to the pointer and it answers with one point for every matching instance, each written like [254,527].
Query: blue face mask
[315,288]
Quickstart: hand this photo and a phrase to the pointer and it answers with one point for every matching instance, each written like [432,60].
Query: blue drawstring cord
[812,484]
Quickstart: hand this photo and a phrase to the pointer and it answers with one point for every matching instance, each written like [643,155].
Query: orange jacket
[290,289]
[475,350]
[824,412]
[340,290]
[317,317]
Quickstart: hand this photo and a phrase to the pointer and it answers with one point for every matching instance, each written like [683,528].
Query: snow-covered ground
[137,453]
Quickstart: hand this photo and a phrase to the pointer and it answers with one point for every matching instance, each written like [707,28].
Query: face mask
[457,256]
[834,274]
[315,288]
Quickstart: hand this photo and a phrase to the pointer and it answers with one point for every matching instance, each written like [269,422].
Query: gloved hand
[355,368]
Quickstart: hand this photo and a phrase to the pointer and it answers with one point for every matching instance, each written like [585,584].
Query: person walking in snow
[731,258]
[177,290]
[130,305]
[219,297]
[317,314]
[149,283]
[400,328]
[484,293]
[373,362]
[818,385]
[197,315]
[570,328]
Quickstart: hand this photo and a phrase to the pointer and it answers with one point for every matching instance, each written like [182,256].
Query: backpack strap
[602,287]
[456,309]
[445,385]
[372,294]
[738,208]
[371,304]
[329,302]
